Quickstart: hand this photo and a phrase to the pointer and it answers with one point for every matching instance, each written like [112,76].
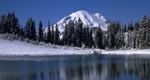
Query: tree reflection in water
[81,69]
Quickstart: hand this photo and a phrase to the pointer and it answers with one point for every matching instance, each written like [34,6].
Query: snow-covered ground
[19,48]
[128,52]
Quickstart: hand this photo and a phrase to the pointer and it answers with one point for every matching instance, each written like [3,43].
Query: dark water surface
[89,67]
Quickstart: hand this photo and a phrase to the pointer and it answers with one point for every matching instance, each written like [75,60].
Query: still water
[89,67]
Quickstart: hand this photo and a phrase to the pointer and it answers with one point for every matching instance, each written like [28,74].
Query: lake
[75,67]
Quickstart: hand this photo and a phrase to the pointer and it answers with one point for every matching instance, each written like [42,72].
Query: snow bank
[18,48]
[128,52]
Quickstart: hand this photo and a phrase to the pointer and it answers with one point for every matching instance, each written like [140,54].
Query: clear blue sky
[53,10]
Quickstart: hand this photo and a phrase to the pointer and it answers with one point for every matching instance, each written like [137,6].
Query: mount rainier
[92,20]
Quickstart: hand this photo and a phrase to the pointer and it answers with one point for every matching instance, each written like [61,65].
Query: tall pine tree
[33,31]
[48,38]
[143,33]
[30,31]
[52,35]
[56,35]
[98,38]
[78,32]
[40,36]
[113,28]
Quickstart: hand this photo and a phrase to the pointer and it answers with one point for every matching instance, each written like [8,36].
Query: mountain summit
[92,20]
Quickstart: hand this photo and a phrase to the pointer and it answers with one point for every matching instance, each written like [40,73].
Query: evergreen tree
[83,43]
[71,32]
[52,35]
[22,32]
[9,23]
[86,36]
[40,37]
[105,40]
[56,35]
[33,31]
[78,33]
[68,34]
[14,24]
[30,31]
[74,35]
[124,28]
[98,38]
[143,33]
[65,35]
[148,33]
[0,25]
[136,35]
[119,39]
[3,22]
[113,28]
[130,27]
[91,42]
[28,28]
[48,34]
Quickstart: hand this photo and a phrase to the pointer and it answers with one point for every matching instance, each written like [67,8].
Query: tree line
[117,36]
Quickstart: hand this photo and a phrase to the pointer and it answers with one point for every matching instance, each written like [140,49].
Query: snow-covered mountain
[92,20]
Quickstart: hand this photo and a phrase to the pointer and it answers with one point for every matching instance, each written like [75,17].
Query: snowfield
[19,48]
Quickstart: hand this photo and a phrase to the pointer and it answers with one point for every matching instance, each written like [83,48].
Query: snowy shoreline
[19,48]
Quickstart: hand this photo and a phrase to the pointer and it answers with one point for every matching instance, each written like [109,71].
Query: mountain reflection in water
[79,68]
